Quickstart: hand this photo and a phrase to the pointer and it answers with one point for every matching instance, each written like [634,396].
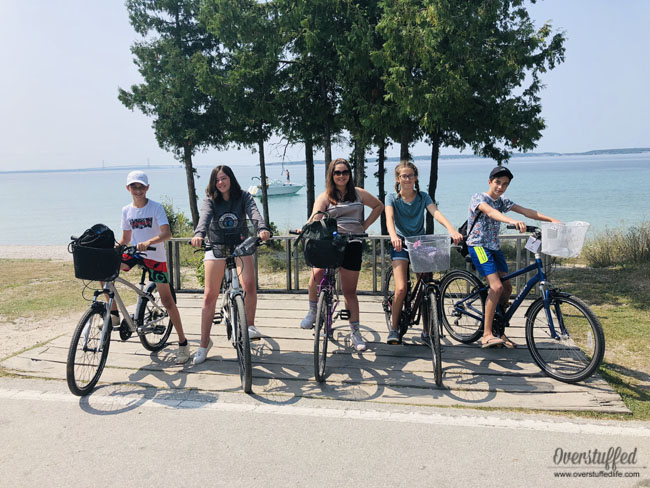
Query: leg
[314,280]
[400,273]
[349,280]
[505,296]
[494,295]
[168,302]
[246,273]
[214,270]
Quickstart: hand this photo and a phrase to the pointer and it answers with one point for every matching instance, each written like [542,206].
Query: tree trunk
[265,195]
[381,171]
[191,187]
[327,145]
[309,167]
[359,164]
[433,176]
[404,142]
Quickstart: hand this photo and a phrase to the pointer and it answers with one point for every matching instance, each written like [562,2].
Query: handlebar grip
[73,238]
[295,232]
[151,248]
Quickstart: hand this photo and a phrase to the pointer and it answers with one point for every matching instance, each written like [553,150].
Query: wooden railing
[377,253]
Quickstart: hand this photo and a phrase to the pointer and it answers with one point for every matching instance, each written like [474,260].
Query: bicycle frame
[233,288]
[539,277]
[328,284]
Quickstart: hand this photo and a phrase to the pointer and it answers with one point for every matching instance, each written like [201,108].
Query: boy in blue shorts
[486,212]
[144,224]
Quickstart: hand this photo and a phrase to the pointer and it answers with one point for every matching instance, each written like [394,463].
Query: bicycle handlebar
[127,249]
[529,228]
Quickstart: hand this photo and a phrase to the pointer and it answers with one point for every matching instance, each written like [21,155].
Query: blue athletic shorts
[487,261]
[403,255]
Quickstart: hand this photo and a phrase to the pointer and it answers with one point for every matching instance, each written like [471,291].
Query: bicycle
[233,310]
[563,335]
[326,314]
[421,301]
[91,339]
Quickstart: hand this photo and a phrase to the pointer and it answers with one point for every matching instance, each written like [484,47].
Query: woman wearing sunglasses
[344,202]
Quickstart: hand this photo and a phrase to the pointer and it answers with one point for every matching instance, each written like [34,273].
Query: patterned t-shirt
[485,232]
[145,224]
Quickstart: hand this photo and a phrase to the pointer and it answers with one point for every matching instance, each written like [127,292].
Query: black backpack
[98,236]
[321,249]
[463,249]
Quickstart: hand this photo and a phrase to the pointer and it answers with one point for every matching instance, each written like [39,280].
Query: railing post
[177,264]
[287,249]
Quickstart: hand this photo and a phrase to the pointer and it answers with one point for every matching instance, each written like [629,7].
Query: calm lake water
[608,191]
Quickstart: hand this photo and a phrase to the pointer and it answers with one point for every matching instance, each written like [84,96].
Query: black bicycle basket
[95,256]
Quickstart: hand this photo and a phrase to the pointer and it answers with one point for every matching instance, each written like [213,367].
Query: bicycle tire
[388,292]
[579,350]
[84,366]
[321,337]
[433,327]
[149,315]
[242,343]
[456,286]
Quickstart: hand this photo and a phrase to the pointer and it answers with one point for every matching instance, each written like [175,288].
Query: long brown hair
[211,190]
[402,165]
[330,186]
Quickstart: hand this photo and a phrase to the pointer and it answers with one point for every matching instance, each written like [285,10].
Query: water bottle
[248,246]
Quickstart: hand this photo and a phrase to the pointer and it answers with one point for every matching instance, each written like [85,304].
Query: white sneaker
[201,354]
[309,320]
[253,333]
[115,320]
[183,354]
[357,340]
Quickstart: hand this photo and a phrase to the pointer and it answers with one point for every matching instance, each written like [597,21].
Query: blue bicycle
[563,335]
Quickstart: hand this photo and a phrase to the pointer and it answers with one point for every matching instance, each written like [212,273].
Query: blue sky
[63,62]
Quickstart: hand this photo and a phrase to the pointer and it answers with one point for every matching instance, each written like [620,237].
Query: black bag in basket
[95,256]
[320,248]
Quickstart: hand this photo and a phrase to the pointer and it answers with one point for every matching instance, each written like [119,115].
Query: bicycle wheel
[579,345]
[86,359]
[242,343]
[321,336]
[430,323]
[462,305]
[388,292]
[154,325]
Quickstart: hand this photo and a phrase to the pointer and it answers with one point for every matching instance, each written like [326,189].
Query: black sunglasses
[345,172]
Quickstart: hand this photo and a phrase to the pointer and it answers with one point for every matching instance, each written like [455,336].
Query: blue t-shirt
[409,217]
[485,232]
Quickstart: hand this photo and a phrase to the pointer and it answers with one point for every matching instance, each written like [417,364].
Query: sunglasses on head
[345,172]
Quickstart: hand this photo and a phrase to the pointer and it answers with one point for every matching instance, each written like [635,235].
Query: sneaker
[115,319]
[183,354]
[357,341]
[253,333]
[309,320]
[201,354]
[393,337]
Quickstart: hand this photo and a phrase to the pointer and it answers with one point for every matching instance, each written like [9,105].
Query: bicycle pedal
[344,314]
[218,318]
[159,329]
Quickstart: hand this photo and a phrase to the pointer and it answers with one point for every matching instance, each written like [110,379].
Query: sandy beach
[54,253]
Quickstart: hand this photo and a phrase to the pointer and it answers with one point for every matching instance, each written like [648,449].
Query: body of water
[608,191]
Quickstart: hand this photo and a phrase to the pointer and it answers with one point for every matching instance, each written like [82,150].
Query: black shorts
[352,256]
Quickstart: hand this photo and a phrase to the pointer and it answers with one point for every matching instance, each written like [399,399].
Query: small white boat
[275,187]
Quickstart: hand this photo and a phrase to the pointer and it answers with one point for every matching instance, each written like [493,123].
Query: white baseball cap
[137,177]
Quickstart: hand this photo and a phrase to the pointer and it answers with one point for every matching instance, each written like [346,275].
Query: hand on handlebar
[456,237]
[397,244]
[197,241]
[520,226]
[265,235]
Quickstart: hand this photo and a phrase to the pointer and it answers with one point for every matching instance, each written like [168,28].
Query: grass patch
[39,289]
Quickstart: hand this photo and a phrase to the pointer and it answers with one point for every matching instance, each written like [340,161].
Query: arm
[319,206]
[369,200]
[204,221]
[165,234]
[390,225]
[437,214]
[125,239]
[532,214]
[255,217]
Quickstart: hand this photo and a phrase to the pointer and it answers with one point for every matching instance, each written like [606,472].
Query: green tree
[185,119]
[248,32]
[468,72]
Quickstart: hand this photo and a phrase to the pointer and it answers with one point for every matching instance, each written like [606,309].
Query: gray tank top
[348,215]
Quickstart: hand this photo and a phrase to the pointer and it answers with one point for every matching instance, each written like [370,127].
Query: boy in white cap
[144,224]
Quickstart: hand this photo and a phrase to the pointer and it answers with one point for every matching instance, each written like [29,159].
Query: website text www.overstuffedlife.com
[613,462]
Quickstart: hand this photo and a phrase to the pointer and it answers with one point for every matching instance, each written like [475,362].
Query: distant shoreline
[597,152]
